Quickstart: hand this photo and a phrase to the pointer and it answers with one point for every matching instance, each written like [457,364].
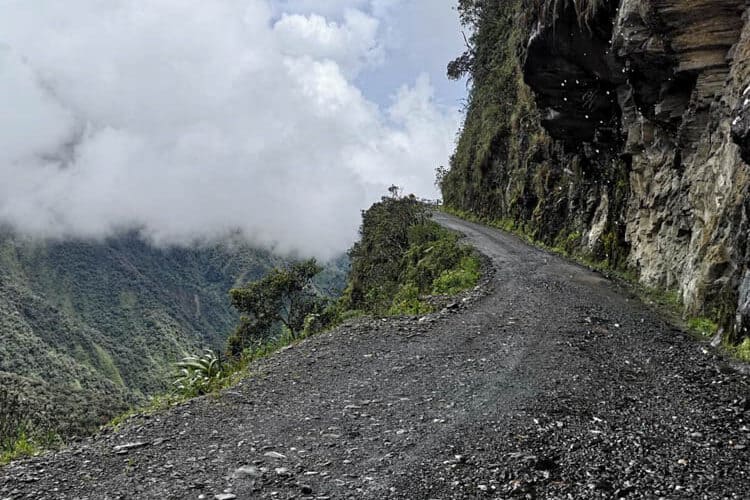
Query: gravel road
[550,382]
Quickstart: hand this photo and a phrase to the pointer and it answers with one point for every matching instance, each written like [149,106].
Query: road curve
[554,384]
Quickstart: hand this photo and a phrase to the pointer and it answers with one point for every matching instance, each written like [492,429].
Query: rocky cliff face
[645,106]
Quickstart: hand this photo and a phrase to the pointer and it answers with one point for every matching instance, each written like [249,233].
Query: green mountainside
[88,329]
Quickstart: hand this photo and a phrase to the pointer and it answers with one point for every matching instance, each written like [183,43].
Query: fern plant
[199,374]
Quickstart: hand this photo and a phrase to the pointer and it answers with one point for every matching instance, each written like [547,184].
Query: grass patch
[21,446]
[703,326]
[408,302]
[464,276]
[741,351]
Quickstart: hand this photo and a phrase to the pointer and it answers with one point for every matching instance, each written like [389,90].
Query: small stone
[124,448]
[282,471]
[274,454]
[246,471]
[225,496]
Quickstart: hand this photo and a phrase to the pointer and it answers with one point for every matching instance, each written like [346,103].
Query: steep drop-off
[617,130]
[87,328]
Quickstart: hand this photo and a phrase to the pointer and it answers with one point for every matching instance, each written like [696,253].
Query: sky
[188,120]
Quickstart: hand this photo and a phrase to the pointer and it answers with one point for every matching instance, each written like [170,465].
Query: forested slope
[89,328]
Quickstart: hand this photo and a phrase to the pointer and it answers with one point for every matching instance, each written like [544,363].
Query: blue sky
[418,36]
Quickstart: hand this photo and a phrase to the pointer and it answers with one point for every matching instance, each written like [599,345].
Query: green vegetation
[199,374]
[401,257]
[485,175]
[90,329]
[742,350]
[20,435]
[703,326]
[281,300]
[289,303]
[463,277]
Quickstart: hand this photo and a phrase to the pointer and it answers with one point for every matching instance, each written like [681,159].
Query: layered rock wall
[679,70]
[645,106]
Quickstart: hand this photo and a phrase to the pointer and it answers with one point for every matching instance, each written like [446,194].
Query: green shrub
[378,260]
[703,326]
[282,299]
[465,276]
[408,302]
[742,351]
[199,374]
[21,446]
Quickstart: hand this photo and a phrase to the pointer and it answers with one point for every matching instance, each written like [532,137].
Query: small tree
[283,297]
[440,173]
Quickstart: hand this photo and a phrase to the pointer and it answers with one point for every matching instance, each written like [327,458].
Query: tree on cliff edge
[285,296]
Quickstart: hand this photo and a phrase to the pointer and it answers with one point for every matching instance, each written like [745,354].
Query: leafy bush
[452,281]
[386,235]
[199,374]
[407,302]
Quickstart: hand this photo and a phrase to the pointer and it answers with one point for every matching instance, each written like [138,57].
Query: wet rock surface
[547,382]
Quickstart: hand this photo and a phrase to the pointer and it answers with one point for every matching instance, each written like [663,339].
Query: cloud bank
[189,120]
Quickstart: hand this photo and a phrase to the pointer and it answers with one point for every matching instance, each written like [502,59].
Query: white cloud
[327,8]
[191,119]
[352,44]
